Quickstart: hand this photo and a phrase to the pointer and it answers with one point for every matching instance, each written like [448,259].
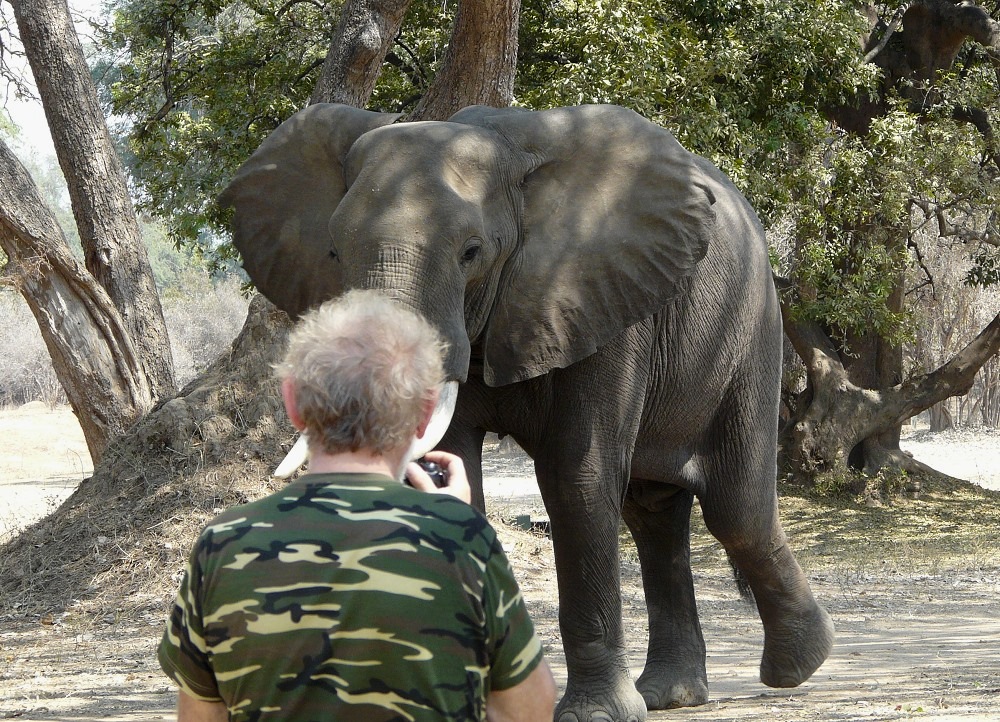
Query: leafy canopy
[747,83]
[202,82]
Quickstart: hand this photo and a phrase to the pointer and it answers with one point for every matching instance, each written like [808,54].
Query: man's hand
[458,481]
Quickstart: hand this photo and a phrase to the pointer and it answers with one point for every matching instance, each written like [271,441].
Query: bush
[202,322]
[26,372]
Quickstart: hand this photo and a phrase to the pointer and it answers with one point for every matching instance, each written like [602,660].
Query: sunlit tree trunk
[91,349]
[109,230]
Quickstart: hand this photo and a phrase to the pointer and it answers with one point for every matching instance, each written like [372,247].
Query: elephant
[608,302]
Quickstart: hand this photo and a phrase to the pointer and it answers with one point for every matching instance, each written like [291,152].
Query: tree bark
[874,363]
[109,230]
[92,351]
[838,414]
[364,34]
[480,62]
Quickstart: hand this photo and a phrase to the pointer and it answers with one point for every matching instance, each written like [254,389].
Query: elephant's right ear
[283,198]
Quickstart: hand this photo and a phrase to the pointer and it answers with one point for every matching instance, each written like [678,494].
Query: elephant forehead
[451,156]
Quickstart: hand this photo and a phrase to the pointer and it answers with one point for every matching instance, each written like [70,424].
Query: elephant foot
[794,649]
[620,703]
[665,687]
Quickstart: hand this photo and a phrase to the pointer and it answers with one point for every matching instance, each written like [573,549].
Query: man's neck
[354,462]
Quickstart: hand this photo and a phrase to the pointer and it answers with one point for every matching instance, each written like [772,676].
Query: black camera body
[434,470]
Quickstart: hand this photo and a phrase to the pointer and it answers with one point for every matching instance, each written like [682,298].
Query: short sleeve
[183,654]
[515,649]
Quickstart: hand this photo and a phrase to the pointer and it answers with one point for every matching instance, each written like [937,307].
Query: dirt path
[920,646]
[918,629]
[43,458]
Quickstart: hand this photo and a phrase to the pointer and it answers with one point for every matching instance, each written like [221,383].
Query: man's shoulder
[353,496]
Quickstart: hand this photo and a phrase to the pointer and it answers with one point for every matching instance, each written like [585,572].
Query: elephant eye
[470,252]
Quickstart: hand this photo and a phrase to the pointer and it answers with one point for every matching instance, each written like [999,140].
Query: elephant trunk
[421,282]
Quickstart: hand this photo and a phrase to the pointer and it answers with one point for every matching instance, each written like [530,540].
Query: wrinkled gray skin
[608,301]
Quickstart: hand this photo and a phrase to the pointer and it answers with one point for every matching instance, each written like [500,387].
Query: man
[347,595]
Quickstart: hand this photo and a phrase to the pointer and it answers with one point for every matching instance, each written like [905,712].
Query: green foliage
[741,82]
[415,56]
[851,251]
[7,129]
[747,83]
[203,82]
[737,81]
[180,271]
[986,267]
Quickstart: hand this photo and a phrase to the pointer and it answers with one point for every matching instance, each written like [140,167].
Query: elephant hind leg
[658,516]
[798,632]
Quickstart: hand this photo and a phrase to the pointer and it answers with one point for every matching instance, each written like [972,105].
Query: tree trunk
[989,404]
[366,31]
[873,363]
[836,415]
[109,230]
[940,417]
[480,62]
[91,350]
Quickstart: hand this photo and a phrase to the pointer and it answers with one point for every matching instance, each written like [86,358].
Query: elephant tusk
[440,420]
[295,458]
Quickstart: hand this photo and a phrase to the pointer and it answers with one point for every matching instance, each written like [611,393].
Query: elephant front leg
[659,517]
[585,541]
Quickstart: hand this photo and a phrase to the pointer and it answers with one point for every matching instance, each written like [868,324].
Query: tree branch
[953,378]
[809,340]
[947,229]
[897,20]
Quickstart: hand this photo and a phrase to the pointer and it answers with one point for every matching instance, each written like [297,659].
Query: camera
[434,470]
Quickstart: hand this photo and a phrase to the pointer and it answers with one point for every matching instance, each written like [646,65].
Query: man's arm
[190,709]
[533,700]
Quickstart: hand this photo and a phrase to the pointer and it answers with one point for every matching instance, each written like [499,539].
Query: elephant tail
[742,583]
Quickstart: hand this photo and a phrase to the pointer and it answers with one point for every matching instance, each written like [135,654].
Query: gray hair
[362,367]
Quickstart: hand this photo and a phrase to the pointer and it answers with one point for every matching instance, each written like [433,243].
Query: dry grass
[119,540]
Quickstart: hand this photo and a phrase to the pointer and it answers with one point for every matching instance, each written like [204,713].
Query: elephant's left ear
[616,215]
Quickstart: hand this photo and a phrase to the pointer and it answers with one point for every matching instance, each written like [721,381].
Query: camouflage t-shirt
[349,597]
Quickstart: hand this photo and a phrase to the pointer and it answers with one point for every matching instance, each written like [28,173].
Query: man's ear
[426,412]
[291,407]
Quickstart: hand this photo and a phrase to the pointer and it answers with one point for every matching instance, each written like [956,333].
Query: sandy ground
[911,644]
[43,458]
